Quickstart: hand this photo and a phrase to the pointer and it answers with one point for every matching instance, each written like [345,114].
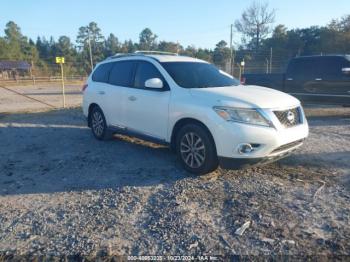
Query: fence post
[240,72]
[63,91]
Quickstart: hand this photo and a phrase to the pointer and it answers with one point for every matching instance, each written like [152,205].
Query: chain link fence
[22,90]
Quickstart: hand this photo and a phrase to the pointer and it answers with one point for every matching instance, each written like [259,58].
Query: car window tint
[101,73]
[144,72]
[121,73]
[198,75]
[302,68]
[332,66]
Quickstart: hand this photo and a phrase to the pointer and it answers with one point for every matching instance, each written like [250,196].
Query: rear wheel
[98,124]
[196,149]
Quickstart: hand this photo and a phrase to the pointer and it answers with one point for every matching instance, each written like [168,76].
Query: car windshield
[198,75]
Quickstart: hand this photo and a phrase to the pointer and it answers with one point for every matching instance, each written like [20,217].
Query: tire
[98,124]
[196,149]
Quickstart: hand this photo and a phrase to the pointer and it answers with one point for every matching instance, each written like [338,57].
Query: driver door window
[144,72]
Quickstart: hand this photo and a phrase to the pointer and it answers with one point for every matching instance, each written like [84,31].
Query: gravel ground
[64,193]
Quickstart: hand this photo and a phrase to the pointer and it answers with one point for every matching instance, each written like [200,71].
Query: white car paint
[156,113]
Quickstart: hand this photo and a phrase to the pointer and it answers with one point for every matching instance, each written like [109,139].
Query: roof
[159,57]
[20,65]
[328,55]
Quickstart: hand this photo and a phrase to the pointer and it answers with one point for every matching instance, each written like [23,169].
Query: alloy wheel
[192,150]
[97,123]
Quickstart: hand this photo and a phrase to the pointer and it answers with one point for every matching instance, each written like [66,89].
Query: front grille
[288,146]
[290,117]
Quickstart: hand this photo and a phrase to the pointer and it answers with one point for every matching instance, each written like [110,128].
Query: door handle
[318,79]
[101,92]
[132,98]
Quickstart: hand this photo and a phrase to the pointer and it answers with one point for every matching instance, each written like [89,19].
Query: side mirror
[154,83]
[346,70]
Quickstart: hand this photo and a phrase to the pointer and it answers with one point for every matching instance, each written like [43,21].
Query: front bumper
[268,142]
[242,163]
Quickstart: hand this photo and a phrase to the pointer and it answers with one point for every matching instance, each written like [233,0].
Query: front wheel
[196,149]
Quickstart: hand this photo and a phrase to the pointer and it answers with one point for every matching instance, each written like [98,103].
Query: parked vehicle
[312,79]
[202,113]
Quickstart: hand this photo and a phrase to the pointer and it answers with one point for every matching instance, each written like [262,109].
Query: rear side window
[121,73]
[332,66]
[301,68]
[101,73]
[144,72]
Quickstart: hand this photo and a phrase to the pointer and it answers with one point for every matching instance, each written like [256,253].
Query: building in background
[14,69]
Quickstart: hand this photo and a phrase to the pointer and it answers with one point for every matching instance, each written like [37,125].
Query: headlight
[242,115]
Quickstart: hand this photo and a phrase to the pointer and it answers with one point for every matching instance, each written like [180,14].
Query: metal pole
[231,51]
[63,91]
[89,42]
[271,60]
[240,73]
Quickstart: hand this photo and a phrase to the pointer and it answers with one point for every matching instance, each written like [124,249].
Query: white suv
[202,113]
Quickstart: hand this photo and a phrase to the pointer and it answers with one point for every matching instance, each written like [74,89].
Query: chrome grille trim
[285,116]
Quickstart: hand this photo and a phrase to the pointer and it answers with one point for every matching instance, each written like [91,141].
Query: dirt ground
[64,193]
[40,97]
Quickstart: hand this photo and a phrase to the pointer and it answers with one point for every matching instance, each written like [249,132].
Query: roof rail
[138,53]
[120,55]
[146,52]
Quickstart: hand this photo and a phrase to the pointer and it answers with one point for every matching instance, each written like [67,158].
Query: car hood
[245,97]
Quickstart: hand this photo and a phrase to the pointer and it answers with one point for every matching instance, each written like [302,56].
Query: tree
[221,54]
[169,47]
[90,33]
[42,47]
[13,32]
[205,54]
[147,39]
[4,49]
[189,51]
[255,23]
[112,45]
[336,36]
[18,46]
[14,39]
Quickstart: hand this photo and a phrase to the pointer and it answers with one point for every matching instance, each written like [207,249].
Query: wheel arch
[185,121]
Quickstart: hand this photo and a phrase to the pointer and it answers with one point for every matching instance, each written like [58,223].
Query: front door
[145,110]
[333,85]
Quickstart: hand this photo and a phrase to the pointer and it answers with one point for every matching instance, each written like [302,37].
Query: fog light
[245,148]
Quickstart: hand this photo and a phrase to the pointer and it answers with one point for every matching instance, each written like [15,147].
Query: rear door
[146,110]
[100,86]
[120,80]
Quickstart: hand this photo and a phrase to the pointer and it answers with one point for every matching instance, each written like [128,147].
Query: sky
[201,23]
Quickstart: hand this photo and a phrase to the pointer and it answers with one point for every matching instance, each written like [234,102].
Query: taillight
[84,87]
[242,80]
